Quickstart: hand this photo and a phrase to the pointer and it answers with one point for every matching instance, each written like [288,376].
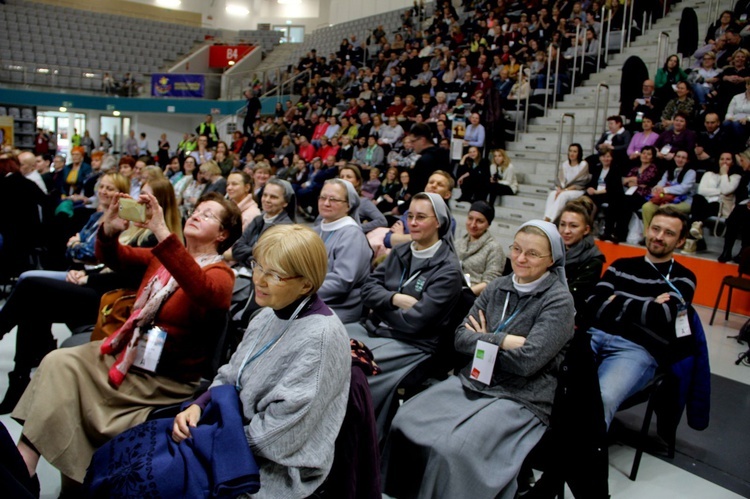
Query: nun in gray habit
[349,253]
[410,296]
[468,438]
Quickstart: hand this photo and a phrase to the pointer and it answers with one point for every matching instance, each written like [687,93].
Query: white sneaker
[696,230]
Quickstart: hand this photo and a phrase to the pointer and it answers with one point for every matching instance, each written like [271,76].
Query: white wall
[347,10]
[153,125]
[310,13]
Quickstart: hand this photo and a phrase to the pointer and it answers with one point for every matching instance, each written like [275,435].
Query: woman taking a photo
[181,286]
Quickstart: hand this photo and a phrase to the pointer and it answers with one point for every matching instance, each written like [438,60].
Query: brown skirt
[69,409]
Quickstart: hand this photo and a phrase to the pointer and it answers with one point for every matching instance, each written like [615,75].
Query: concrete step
[581,129]
[530,155]
[523,202]
[531,190]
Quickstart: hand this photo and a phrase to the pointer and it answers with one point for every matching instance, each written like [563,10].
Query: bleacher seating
[77,47]
[266,39]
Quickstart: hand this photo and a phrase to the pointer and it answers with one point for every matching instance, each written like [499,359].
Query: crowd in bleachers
[365,155]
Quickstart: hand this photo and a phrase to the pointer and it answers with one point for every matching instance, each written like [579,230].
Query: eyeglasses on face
[331,199]
[419,217]
[271,276]
[516,251]
[206,216]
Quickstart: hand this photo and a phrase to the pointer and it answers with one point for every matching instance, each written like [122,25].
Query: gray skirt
[451,442]
[69,409]
[397,359]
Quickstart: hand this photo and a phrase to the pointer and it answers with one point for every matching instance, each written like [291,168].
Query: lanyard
[248,359]
[402,284]
[328,236]
[666,279]
[503,321]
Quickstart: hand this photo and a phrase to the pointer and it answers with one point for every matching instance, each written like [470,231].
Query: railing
[596,111]
[575,55]
[560,134]
[659,57]
[518,101]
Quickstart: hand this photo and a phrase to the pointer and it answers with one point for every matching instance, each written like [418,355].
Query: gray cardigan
[349,257]
[294,398]
[482,259]
[527,374]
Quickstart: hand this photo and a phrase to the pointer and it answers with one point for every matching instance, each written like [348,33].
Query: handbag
[114,309]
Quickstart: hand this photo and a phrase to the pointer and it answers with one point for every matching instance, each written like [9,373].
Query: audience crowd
[384,131]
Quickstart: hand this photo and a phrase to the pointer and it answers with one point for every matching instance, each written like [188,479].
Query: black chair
[734,281]
[647,395]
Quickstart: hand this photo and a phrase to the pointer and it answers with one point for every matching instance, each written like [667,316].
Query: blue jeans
[58,275]
[625,368]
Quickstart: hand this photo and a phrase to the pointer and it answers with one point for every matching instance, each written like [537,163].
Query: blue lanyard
[501,327]
[666,279]
[328,236]
[248,359]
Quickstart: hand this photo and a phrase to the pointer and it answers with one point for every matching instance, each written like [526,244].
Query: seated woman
[188,189]
[638,182]
[503,180]
[715,196]
[239,188]
[646,137]
[387,195]
[605,186]
[738,223]
[211,174]
[279,208]
[74,297]
[180,287]
[291,369]
[481,256]
[570,182]
[369,215]
[411,295]
[675,188]
[485,425]
[583,260]
[349,253]
[473,176]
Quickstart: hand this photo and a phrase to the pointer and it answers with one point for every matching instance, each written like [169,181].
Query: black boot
[16,386]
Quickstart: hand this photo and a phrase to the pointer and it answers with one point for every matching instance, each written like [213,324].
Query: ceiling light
[42,70]
[237,10]
[168,3]
[63,109]
[115,113]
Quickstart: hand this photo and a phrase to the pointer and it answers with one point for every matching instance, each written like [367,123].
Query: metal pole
[622,32]
[644,26]
[518,102]
[596,111]
[609,31]
[662,35]
[575,58]
[601,41]
[557,79]
[664,14]
[559,137]
[526,111]
[630,23]
[549,74]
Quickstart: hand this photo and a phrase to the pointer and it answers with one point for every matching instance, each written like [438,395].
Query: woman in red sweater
[81,397]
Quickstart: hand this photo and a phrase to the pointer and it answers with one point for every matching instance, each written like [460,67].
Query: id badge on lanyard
[149,348]
[682,324]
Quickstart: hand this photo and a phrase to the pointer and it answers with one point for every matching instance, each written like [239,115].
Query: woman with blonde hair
[211,173]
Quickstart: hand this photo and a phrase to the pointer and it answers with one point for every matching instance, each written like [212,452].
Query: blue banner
[178,85]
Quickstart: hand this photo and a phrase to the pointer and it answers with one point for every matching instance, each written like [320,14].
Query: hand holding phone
[132,210]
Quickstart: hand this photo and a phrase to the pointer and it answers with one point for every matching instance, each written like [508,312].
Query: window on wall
[59,123]
[291,34]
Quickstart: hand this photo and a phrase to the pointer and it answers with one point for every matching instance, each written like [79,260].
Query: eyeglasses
[331,200]
[206,216]
[272,277]
[517,251]
[420,218]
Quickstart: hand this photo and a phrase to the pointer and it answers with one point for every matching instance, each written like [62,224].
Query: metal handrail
[630,23]
[596,111]
[622,32]
[526,112]
[601,42]
[658,49]
[575,56]
[606,43]
[549,75]
[286,83]
[664,13]
[557,78]
[518,102]
[560,134]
